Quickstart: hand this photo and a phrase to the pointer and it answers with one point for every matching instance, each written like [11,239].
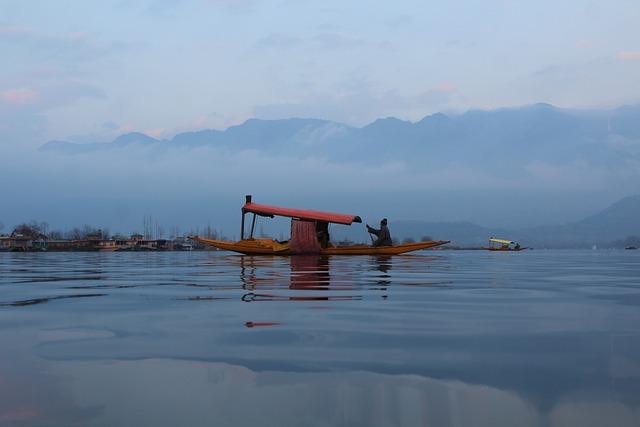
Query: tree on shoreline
[33,229]
[85,232]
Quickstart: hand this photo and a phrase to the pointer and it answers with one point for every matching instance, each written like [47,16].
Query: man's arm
[373,230]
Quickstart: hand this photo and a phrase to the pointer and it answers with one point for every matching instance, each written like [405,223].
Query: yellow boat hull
[503,249]
[271,247]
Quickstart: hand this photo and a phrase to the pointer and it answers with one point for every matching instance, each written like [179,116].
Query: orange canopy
[305,214]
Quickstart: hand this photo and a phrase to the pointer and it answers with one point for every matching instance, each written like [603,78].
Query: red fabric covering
[303,237]
[301,214]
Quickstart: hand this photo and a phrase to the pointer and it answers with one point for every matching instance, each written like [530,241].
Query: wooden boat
[309,235]
[272,247]
[502,245]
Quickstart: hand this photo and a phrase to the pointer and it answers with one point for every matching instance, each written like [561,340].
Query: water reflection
[231,395]
[307,273]
[260,324]
[310,272]
[463,338]
[383,265]
[171,392]
[34,301]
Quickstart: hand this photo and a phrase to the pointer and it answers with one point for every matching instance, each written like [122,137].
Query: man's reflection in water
[382,263]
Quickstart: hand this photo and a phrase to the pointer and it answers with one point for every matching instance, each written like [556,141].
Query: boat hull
[504,250]
[271,247]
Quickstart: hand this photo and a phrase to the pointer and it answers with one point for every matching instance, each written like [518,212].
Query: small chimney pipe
[247,198]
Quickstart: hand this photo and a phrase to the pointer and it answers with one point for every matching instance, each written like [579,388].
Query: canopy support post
[253,226]
[242,227]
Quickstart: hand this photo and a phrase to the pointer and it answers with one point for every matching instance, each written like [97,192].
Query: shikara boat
[309,235]
[502,245]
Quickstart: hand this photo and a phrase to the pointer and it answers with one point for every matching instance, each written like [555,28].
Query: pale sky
[89,70]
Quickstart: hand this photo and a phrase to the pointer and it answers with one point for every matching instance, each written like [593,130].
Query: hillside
[615,223]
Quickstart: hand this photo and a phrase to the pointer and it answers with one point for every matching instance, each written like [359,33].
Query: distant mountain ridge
[512,138]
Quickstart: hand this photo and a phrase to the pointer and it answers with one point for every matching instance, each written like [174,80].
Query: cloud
[324,40]
[19,96]
[67,92]
[10,30]
[47,95]
[235,6]
[400,21]
[110,125]
[228,2]
[44,71]
[23,110]
[337,41]
[357,103]
[629,56]
[278,41]
[584,44]
[156,133]
[439,96]
[75,46]
[163,7]
[546,71]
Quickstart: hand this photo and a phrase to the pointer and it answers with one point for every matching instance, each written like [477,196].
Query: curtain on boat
[303,237]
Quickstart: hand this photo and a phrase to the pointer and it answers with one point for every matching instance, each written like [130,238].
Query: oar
[370,235]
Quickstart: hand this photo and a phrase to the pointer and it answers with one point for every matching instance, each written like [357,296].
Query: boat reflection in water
[313,276]
[309,273]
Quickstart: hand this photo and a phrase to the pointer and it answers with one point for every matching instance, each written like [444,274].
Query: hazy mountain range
[507,141]
[512,170]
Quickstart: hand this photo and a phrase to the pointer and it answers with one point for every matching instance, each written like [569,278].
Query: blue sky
[91,70]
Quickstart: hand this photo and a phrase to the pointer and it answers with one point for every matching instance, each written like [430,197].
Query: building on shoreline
[17,242]
[93,243]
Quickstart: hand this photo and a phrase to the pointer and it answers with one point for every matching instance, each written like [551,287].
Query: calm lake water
[537,338]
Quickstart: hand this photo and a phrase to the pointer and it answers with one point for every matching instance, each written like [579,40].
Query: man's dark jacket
[384,236]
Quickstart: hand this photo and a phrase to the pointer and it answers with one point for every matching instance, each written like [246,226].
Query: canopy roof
[306,214]
[504,242]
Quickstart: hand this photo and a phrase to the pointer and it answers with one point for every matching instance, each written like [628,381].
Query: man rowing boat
[383,234]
